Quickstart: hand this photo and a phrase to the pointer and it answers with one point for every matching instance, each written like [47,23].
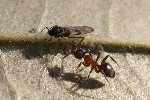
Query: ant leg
[111,58]
[89,73]
[78,66]
[98,56]
[105,76]
[105,58]
[97,70]
[114,60]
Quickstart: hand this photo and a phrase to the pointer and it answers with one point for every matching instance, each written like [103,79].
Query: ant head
[54,30]
[79,53]
[107,69]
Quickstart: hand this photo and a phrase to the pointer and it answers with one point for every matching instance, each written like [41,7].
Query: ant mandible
[105,68]
[59,32]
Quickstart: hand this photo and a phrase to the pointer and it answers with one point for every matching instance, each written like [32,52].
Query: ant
[105,68]
[59,32]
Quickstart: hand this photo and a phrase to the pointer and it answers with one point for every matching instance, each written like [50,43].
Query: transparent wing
[77,30]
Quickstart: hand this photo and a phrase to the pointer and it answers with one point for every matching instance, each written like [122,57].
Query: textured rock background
[30,72]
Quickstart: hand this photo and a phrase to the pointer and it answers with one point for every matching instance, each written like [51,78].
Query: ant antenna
[98,56]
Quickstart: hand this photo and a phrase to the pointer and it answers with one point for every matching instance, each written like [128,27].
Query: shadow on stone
[77,79]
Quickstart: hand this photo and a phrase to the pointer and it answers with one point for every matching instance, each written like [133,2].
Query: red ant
[105,68]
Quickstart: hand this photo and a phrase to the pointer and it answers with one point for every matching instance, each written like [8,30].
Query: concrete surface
[32,72]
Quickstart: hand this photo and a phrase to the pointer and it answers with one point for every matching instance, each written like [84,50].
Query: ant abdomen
[107,70]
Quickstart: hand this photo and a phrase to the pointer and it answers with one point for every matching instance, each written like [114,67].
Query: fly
[70,32]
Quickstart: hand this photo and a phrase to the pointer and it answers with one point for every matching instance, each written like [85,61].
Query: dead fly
[70,32]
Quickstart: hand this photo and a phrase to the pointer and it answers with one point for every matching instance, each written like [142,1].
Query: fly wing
[77,30]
